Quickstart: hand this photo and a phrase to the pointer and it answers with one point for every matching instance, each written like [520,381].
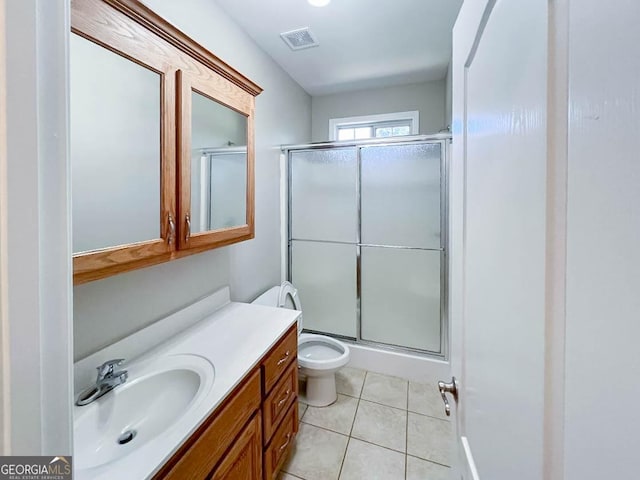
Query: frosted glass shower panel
[323,195]
[401,297]
[401,195]
[325,276]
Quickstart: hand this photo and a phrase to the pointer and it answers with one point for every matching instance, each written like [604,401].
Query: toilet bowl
[319,356]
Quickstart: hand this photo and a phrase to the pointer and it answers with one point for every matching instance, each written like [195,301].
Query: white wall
[110,309]
[35,257]
[427,97]
[603,239]
[448,95]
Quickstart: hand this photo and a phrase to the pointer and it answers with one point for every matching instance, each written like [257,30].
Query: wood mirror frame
[132,30]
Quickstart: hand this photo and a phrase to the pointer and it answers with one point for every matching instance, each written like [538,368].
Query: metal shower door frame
[444,140]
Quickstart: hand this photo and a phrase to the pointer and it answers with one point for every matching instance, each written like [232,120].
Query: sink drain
[126,437]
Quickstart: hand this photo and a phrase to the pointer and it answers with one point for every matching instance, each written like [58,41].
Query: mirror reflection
[218,165]
[115,148]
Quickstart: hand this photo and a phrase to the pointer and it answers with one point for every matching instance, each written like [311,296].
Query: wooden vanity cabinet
[180,216]
[251,434]
[244,458]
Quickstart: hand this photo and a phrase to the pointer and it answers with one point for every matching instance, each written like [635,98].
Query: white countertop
[233,339]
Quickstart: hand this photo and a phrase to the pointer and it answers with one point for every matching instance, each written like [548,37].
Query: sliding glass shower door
[401,245]
[324,233]
[366,246]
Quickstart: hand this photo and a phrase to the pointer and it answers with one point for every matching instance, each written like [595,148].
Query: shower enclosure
[219,200]
[366,240]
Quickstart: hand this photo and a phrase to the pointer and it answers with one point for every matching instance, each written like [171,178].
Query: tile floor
[381,427]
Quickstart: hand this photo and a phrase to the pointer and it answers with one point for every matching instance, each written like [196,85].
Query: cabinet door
[123,117]
[215,161]
[244,460]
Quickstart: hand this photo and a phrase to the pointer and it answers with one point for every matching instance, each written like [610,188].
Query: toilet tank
[269,298]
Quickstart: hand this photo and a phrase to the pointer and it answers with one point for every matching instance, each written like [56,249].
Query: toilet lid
[288,298]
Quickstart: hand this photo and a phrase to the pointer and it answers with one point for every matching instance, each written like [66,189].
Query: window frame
[379,120]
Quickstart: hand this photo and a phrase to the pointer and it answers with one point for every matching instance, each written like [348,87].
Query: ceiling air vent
[299,39]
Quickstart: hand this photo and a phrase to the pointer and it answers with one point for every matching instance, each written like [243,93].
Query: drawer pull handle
[286,443]
[284,359]
[284,399]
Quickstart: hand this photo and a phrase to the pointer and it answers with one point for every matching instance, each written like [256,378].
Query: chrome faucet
[106,381]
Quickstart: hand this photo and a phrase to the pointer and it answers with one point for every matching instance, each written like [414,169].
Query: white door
[498,221]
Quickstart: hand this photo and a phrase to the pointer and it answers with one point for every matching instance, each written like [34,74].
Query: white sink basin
[151,402]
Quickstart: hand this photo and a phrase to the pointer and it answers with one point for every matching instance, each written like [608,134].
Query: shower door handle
[451,388]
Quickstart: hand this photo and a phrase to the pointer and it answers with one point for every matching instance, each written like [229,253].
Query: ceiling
[363,43]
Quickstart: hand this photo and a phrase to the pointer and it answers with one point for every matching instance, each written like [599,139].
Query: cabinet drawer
[277,403]
[196,459]
[281,443]
[279,358]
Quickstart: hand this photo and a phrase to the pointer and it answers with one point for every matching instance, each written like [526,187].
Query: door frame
[35,232]
[5,391]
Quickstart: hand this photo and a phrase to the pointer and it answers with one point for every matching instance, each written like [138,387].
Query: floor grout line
[429,416]
[344,457]
[353,422]
[364,380]
[327,429]
[430,461]
[291,475]
[346,395]
[381,446]
[385,405]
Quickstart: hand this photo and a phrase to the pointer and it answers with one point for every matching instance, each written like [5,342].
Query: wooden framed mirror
[216,171]
[162,142]
[122,117]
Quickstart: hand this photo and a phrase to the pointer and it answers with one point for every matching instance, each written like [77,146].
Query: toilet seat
[289,292]
[321,352]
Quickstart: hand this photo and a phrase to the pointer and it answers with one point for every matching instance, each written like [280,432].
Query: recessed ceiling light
[319,3]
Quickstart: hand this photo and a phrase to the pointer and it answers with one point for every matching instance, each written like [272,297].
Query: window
[374,126]
[375,130]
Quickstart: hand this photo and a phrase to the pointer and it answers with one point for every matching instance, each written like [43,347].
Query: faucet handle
[107,367]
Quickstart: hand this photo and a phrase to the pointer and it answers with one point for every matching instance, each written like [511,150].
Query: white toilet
[319,356]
